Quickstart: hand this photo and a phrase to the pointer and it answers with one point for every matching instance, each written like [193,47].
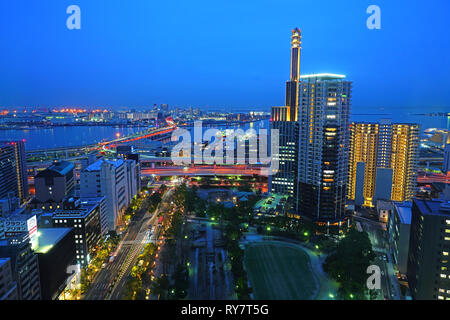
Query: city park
[270,256]
[275,257]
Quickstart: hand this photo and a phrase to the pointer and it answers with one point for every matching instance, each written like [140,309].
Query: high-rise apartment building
[363,158]
[383,162]
[404,159]
[428,270]
[13,170]
[323,117]
[284,119]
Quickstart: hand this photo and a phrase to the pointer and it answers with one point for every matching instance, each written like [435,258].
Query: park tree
[161,287]
[348,264]
[181,281]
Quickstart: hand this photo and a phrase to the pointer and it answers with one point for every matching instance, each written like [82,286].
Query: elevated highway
[72,153]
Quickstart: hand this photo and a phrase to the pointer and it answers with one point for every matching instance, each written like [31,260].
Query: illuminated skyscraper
[285,120]
[284,180]
[292,84]
[404,152]
[13,170]
[383,162]
[324,106]
[363,156]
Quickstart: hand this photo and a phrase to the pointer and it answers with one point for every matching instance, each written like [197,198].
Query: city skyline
[137,62]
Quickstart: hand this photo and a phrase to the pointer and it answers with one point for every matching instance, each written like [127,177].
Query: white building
[109,178]
[132,179]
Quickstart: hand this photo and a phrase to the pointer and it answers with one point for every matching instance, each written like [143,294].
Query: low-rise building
[24,266]
[384,208]
[84,219]
[53,185]
[56,255]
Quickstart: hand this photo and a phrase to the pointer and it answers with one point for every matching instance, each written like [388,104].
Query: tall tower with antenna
[292,84]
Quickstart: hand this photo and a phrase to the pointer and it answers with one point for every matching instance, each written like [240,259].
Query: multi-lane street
[110,282]
[136,247]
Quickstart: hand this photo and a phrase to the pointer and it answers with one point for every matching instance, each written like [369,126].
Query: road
[200,171]
[110,281]
[376,232]
[136,248]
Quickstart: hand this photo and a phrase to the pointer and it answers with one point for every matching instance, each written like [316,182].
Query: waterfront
[60,136]
[44,138]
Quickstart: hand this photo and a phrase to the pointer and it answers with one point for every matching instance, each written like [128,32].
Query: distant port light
[118,134]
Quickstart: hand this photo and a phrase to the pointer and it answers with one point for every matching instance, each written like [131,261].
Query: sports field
[279,272]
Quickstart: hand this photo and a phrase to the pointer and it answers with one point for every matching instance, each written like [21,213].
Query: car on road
[103,265]
[384,257]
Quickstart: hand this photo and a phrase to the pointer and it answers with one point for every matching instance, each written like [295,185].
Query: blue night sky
[221,54]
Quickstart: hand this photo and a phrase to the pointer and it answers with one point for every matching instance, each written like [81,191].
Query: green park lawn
[279,272]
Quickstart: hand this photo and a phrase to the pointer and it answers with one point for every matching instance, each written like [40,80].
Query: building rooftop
[80,212]
[60,168]
[323,76]
[96,166]
[49,237]
[433,207]
[404,211]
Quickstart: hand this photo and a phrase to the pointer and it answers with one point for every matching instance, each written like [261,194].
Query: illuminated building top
[296,46]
